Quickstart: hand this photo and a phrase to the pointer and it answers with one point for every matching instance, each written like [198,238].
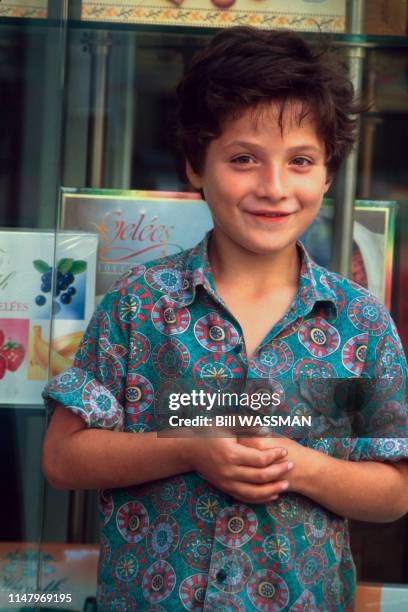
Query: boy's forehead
[284,114]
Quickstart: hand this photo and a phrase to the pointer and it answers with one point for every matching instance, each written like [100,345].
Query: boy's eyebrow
[298,148]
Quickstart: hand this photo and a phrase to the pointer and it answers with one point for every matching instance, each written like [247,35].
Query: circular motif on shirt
[139,349]
[319,337]
[307,603]
[163,537]
[128,278]
[287,510]
[290,329]
[205,505]
[164,278]
[105,504]
[195,549]
[270,387]
[311,566]
[86,352]
[215,333]
[132,520]
[274,546]
[168,318]
[236,525]
[217,370]
[117,602]
[103,404]
[383,447]
[316,527]
[353,354]
[192,591]
[127,566]
[221,602]
[158,581]
[105,550]
[169,495]
[71,379]
[389,420]
[388,358]
[133,307]
[268,591]
[307,295]
[274,359]
[111,372]
[312,368]
[230,569]
[170,358]
[139,393]
[102,329]
[337,540]
[335,589]
[341,299]
[366,314]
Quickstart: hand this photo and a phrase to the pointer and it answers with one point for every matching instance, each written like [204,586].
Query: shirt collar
[316,283]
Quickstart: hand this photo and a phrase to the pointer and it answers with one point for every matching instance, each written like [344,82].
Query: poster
[137,226]
[47,280]
[306,15]
[134,226]
[373,244]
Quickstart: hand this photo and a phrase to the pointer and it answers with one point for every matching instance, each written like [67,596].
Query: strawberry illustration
[3,366]
[14,353]
[1,337]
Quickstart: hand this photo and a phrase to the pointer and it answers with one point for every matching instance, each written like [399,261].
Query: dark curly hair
[245,67]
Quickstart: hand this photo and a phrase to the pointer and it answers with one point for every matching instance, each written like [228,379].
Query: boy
[225,523]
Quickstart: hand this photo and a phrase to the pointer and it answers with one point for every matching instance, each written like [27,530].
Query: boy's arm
[77,457]
[364,490]
[361,490]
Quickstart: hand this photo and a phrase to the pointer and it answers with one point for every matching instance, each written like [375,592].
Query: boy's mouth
[270,215]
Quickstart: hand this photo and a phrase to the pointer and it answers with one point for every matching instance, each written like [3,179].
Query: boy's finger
[258,458]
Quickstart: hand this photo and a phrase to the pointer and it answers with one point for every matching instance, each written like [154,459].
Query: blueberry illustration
[68,279]
[40,300]
[65,298]
[45,287]
[71,291]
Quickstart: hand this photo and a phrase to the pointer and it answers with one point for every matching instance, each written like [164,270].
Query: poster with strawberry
[47,296]
[13,346]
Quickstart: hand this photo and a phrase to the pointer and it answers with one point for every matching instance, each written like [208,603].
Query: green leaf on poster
[78,267]
[64,265]
[41,266]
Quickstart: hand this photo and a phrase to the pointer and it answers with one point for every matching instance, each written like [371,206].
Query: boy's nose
[271,184]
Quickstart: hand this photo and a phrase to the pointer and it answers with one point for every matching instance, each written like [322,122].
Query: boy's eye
[301,161]
[243,159]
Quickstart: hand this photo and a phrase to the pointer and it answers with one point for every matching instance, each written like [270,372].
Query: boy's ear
[193,177]
[328,183]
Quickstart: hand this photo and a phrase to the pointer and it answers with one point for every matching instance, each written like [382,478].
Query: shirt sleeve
[94,386]
[384,410]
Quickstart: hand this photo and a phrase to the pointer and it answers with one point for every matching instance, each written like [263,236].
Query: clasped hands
[252,469]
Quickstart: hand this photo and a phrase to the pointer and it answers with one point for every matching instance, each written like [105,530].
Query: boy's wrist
[305,475]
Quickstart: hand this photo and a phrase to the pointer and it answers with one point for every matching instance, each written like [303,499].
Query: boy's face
[264,187]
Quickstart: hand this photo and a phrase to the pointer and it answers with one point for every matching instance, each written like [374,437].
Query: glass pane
[31,62]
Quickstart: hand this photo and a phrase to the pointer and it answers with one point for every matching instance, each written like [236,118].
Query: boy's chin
[269,247]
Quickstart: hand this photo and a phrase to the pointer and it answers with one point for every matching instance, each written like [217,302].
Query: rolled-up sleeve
[94,386]
[384,410]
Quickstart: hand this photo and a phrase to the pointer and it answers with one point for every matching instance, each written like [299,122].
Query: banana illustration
[44,354]
[68,344]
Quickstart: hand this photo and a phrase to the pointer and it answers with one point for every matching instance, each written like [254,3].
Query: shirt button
[221,575]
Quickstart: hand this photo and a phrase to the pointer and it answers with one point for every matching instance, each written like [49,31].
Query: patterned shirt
[179,543]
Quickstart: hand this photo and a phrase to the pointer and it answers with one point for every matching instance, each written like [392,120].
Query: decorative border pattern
[33,10]
[202,17]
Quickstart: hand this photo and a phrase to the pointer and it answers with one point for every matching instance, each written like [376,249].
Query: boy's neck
[254,274]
